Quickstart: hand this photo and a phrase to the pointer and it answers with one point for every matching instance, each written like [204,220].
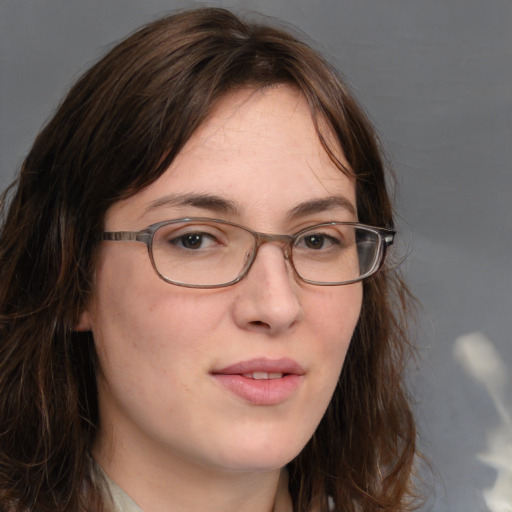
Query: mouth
[261,381]
[263,368]
[263,375]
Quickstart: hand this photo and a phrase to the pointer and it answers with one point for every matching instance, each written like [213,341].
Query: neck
[187,487]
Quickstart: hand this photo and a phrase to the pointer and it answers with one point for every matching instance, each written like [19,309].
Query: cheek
[336,315]
[123,321]
[141,322]
[148,341]
[332,316]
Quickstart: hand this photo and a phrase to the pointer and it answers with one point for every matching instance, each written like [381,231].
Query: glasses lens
[201,253]
[335,254]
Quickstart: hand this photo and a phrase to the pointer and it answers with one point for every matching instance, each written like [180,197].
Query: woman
[191,313]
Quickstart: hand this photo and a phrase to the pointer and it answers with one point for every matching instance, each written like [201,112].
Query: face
[180,368]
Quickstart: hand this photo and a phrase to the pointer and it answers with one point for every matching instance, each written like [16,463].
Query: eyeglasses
[210,253]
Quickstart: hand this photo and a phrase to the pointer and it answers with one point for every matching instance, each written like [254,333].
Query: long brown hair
[116,132]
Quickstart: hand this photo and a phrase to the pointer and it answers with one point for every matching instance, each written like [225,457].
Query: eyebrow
[222,205]
[206,201]
[321,205]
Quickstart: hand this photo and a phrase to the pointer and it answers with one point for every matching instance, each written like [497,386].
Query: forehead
[254,121]
[258,149]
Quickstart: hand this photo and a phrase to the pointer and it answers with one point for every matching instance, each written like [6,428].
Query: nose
[268,296]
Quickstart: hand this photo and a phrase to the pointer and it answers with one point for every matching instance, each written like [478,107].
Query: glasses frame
[146,235]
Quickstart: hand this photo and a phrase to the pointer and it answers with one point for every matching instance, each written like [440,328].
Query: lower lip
[260,391]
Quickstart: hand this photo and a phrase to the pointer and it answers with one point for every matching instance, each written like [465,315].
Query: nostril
[259,323]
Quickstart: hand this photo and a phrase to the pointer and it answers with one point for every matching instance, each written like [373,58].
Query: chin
[257,457]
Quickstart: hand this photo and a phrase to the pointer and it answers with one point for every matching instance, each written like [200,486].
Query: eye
[189,238]
[317,241]
[194,240]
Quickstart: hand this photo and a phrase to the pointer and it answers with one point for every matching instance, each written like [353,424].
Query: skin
[170,433]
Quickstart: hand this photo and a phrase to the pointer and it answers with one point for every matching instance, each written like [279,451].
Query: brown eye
[316,241]
[189,241]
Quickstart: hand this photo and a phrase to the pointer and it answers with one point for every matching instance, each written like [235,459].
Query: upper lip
[283,365]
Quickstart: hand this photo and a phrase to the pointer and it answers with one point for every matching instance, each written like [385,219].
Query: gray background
[436,78]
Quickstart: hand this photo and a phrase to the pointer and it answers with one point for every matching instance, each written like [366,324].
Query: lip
[270,391]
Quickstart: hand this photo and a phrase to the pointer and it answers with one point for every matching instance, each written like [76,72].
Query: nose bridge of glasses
[284,240]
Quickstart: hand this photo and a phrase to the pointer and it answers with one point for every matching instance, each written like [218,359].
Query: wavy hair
[116,132]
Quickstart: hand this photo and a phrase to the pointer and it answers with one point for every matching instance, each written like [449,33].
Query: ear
[84,323]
